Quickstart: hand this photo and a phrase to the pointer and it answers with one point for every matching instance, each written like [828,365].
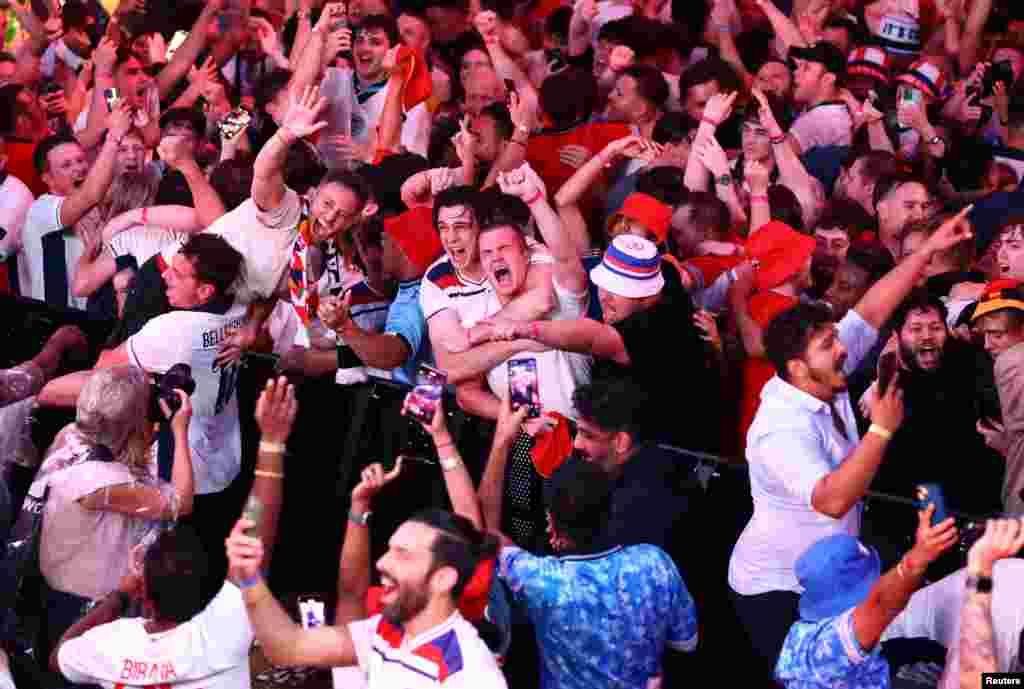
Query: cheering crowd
[541,282]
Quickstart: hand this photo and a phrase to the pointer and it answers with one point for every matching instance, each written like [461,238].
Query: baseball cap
[998,295]
[825,53]
[781,252]
[631,267]
[649,212]
[837,574]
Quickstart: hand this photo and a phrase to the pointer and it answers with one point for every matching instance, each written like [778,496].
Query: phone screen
[931,493]
[177,39]
[422,402]
[523,388]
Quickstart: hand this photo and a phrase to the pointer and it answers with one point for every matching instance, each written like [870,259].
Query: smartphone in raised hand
[523,386]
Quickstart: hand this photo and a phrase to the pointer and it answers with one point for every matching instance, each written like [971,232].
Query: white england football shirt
[194,337]
[450,655]
[210,651]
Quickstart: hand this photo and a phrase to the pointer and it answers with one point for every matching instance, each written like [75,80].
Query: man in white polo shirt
[809,469]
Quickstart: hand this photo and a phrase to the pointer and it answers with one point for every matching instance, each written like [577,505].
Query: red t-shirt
[542,149]
[763,307]
[19,164]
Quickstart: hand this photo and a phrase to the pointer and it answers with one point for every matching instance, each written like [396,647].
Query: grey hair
[113,410]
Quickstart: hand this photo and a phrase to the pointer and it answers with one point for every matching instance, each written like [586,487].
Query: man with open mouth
[938,376]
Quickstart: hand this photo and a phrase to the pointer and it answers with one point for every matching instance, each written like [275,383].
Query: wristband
[269,474]
[883,433]
[360,519]
[759,198]
[534,331]
[271,448]
[536,197]
[248,582]
[145,216]
[707,120]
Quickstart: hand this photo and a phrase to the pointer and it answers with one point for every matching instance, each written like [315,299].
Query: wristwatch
[362,519]
[979,583]
[724,180]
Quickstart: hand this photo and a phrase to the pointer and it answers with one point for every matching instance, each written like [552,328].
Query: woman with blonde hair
[104,495]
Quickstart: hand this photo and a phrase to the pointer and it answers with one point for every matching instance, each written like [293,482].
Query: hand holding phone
[523,386]
[931,494]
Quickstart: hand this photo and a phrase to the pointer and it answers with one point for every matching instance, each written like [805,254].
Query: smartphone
[931,494]
[113,97]
[234,122]
[428,375]
[422,402]
[887,367]
[311,610]
[523,388]
[177,39]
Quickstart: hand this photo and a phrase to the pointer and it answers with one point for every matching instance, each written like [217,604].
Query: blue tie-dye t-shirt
[827,655]
[604,619]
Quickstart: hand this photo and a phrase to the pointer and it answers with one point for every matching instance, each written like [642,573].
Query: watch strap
[449,463]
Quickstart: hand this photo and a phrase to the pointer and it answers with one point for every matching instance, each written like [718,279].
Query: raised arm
[489,27]
[886,294]
[104,58]
[378,350]
[187,54]
[1002,538]
[525,184]
[309,65]
[782,26]
[891,593]
[970,40]
[389,125]
[276,409]
[354,569]
[301,120]
[283,641]
[492,485]
[457,480]
[96,184]
[583,14]
[178,154]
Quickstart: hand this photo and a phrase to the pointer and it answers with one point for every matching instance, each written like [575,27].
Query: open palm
[304,111]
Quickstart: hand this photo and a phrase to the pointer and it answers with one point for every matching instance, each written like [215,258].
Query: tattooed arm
[1003,538]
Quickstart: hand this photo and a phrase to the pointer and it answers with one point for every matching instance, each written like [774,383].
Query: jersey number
[227,385]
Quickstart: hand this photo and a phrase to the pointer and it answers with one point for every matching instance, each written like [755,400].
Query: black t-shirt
[673,365]
[146,300]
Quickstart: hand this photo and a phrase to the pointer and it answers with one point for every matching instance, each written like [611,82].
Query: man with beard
[419,640]
[809,468]
[940,399]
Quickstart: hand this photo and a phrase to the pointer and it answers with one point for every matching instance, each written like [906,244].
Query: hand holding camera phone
[931,494]
[423,401]
[523,386]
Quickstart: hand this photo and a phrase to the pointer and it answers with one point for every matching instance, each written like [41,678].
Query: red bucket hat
[781,251]
[649,212]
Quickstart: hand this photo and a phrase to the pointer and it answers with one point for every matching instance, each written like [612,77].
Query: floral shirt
[827,655]
[602,619]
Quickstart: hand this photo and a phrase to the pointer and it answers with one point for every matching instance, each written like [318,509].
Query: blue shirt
[827,655]
[405,319]
[604,619]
